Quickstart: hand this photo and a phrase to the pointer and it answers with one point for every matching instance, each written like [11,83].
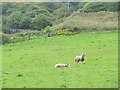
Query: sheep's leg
[76,60]
[81,61]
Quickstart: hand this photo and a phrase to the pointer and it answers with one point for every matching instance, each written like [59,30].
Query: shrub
[40,22]
[65,32]
[6,38]
[100,6]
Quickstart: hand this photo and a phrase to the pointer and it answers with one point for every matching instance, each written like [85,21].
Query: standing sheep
[61,65]
[80,58]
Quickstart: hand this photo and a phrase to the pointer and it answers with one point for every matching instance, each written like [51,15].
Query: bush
[65,32]
[40,22]
[6,38]
[100,6]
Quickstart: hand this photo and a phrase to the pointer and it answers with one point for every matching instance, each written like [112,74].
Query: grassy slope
[31,63]
[99,21]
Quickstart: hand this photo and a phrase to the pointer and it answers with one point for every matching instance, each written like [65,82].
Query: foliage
[47,29]
[21,36]
[59,13]
[14,20]
[5,26]
[18,4]
[37,16]
[100,6]
[65,32]
[40,22]
[25,23]
[51,6]
[6,38]
[6,6]
[24,8]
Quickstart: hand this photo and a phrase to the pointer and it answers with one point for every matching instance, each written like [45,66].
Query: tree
[14,20]
[7,6]
[40,22]
[25,23]
[5,26]
[100,6]
[27,7]
[51,6]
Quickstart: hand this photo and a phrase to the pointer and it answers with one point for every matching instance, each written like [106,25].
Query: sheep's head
[84,53]
[67,65]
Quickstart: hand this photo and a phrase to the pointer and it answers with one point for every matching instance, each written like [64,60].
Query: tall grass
[91,21]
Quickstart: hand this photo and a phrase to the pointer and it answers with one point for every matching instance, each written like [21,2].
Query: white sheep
[61,65]
[80,58]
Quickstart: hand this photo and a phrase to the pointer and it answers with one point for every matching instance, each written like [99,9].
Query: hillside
[36,16]
[26,20]
[90,21]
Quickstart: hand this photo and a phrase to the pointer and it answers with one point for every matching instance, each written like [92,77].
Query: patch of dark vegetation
[92,42]
[44,61]
[24,87]
[104,45]
[3,82]
[63,86]
[92,86]
[26,53]
[31,46]
[6,73]
[99,41]
[41,81]
[96,59]
[11,44]
[21,57]
[99,48]
[4,79]
[19,75]
[62,73]
[9,49]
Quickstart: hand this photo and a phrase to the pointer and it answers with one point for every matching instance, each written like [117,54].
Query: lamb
[61,65]
[80,58]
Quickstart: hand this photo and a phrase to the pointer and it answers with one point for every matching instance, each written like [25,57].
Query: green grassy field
[30,64]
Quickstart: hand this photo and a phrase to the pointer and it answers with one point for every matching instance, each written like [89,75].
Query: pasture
[30,64]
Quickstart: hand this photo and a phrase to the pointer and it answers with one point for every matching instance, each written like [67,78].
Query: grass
[30,64]
[98,20]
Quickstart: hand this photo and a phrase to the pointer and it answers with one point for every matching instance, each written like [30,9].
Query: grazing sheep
[80,58]
[61,65]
